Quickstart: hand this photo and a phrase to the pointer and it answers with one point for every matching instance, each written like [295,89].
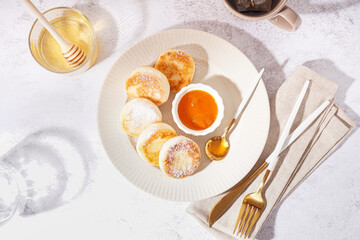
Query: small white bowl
[212,92]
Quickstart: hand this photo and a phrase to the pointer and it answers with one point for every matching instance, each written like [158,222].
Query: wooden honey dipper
[72,53]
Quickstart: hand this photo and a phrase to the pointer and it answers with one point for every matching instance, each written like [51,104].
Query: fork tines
[248,215]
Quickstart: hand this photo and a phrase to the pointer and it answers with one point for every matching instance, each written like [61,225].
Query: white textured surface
[37,104]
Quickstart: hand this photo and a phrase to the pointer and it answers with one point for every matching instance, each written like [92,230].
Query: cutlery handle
[302,127]
[287,127]
[249,92]
[219,209]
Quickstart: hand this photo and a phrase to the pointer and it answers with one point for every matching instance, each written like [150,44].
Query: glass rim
[93,37]
[21,190]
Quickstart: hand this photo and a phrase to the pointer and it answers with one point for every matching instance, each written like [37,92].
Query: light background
[88,199]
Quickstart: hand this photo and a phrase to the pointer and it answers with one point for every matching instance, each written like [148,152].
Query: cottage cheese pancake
[178,66]
[179,157]
[150,83]
[151,141]
[138,114]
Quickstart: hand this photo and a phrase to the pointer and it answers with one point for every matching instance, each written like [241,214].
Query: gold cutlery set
[254,203]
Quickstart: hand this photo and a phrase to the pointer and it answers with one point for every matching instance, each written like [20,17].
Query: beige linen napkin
[299,160]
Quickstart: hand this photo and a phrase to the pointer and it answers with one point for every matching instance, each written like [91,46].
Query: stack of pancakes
[157,142]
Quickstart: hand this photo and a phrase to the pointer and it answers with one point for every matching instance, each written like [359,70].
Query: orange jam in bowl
[197,110]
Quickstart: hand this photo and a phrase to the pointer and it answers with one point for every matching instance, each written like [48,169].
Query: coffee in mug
[279,14]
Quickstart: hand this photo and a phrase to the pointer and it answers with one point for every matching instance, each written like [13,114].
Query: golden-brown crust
[178,66]
[164,134]
[149,83]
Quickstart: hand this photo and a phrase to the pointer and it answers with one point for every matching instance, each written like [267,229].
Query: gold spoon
[218,147]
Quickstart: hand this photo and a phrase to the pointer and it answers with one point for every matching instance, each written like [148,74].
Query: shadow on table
[252,47]
[56,165]
[111,30]
[329,70]
[104,25]
[313,6]
[267,231]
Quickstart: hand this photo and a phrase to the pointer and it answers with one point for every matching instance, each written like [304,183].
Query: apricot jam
[197,110]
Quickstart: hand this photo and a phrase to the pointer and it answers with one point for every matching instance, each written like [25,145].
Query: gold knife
[225,202]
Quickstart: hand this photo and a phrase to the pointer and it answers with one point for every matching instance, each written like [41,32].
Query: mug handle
[287,19]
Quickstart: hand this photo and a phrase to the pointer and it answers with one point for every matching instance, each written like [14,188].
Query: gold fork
[254,203]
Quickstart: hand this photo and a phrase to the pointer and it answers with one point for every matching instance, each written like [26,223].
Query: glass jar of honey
[74,27]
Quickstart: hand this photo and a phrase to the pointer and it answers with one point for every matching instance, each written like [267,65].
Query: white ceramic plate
[218,64]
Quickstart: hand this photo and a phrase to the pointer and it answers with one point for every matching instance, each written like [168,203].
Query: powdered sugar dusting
[138,114]
[148,79]
[183,157]
[182,53]
[142,114]
[148,82]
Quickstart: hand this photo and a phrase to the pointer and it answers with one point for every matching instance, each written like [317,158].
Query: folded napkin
[298,160]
